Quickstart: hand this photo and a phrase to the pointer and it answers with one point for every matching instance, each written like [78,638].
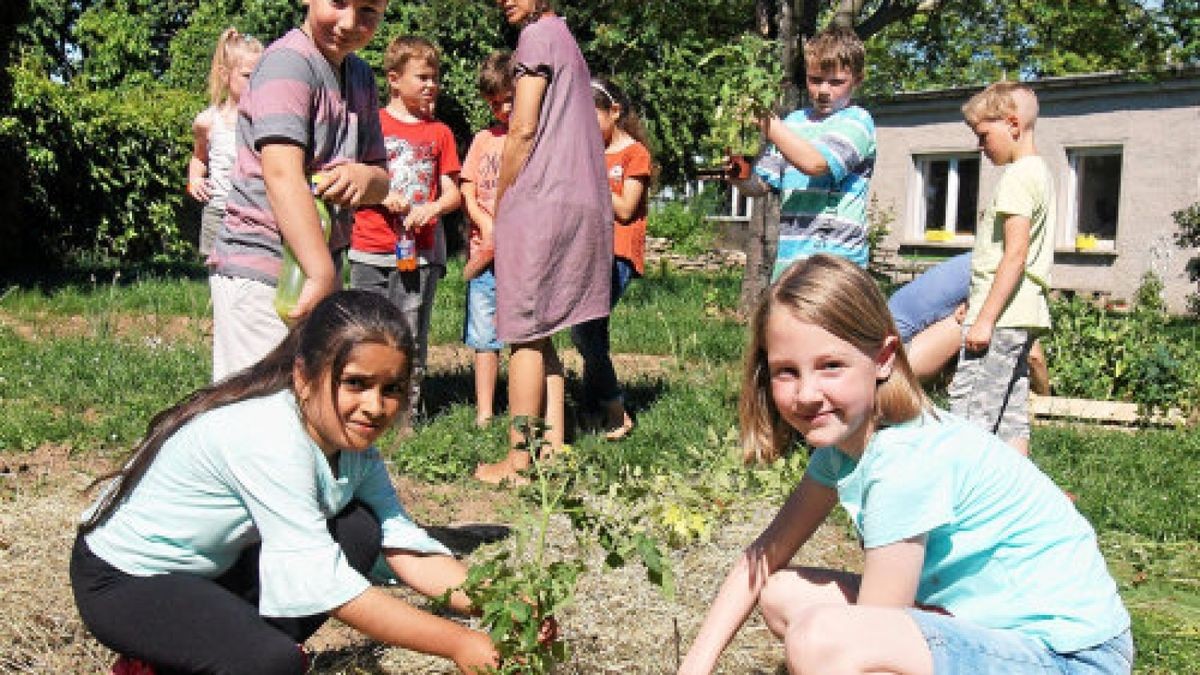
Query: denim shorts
[959,646]
[479,327]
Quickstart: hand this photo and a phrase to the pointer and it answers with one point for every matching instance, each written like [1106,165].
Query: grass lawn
[85,366]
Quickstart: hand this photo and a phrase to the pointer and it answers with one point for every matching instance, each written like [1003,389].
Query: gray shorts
[413,293]
[992,388]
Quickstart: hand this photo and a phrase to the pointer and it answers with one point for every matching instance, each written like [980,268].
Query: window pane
[935,195]
[968,195]
[1099,189]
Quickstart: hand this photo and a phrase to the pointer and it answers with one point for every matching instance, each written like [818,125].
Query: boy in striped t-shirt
[821,158]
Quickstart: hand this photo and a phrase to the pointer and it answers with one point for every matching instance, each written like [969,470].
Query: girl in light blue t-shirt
[975,562]
[254,509]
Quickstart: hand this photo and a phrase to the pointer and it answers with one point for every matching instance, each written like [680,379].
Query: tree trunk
[761,241]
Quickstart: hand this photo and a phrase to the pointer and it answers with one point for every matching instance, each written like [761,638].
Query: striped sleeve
[280,102]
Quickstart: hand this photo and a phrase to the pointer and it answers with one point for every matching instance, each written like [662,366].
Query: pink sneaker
[127,665]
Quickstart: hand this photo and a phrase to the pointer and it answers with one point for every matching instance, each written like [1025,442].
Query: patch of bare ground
[620,623]
[445,358]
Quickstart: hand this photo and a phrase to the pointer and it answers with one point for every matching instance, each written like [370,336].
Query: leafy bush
[685,222]
[103,169]
[1123,357]
[1188,221]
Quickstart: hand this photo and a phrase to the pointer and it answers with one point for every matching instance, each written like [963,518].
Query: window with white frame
[1093,192]
[945,194]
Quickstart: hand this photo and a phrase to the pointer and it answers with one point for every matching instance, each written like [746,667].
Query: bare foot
[482,421]
[507,470]
[619,431]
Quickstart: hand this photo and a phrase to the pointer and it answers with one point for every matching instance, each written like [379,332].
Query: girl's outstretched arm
[804,511]
[389,619]
[430,575]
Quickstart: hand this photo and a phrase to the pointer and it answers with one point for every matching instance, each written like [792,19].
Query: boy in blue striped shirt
[820,158]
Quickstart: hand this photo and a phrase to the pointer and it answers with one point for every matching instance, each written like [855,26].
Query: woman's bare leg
[526,391]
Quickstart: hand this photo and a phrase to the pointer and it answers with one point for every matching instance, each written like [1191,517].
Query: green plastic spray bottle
[291,275]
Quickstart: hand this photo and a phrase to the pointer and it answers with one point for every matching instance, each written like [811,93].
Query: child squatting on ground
[251,511]
[311,108]
[820,159]
[422,165]
[213,146]
[974,561]
[1010,268]
[480,175]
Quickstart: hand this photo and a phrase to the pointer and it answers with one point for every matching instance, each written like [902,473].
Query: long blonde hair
[838,296]
[232,47]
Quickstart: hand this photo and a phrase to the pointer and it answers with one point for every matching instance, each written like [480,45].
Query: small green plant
[519,592]
[749,72]
[684,222]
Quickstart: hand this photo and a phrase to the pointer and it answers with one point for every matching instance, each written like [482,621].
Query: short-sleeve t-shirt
[294,97]
[482,169]
[249,472]
[826,213]
[418,155]
[932,296]
[1005,547]
[629,239]
[1025,189]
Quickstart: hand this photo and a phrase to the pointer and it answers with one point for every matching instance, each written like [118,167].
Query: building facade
[1125,152]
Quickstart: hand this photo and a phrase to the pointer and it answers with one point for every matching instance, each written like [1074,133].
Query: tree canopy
[97,95]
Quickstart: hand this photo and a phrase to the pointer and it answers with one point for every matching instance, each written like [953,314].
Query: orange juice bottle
[406,251]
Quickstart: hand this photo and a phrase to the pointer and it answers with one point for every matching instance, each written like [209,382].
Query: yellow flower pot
[1085,242]
[939,235]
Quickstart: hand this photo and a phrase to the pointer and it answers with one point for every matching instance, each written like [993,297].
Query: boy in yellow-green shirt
[1010,267]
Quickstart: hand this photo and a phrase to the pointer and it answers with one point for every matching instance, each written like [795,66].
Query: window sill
[1070,251]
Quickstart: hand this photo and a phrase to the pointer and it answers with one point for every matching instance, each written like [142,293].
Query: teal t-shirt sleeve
[826,466]
[844,140]
[399,531]
[902,498]
[303,571]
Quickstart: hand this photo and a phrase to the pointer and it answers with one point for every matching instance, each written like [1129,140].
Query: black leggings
[184,623]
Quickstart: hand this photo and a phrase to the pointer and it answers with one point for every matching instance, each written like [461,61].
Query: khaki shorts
[992,388]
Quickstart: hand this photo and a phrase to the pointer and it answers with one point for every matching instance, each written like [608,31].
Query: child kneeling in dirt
[253,509]
[975,562]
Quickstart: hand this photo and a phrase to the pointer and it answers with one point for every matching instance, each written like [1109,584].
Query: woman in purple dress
[553,223]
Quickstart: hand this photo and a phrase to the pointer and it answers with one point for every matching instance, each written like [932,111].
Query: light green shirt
[247,473]
[1026,189]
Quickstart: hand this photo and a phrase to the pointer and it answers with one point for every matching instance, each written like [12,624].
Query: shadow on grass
[49,280]
[446,389]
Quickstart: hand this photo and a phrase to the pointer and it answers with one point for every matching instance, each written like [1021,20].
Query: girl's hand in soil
[476,654]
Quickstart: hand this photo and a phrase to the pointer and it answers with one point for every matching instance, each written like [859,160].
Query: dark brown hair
[606,94]
[495,74]
[320,345]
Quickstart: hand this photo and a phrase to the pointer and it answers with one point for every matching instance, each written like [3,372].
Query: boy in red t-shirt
[423,167]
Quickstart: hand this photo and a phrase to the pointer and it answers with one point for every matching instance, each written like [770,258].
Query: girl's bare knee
[816,641]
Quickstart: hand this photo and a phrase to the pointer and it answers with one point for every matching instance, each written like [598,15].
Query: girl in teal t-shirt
[975,562]
[253,509]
